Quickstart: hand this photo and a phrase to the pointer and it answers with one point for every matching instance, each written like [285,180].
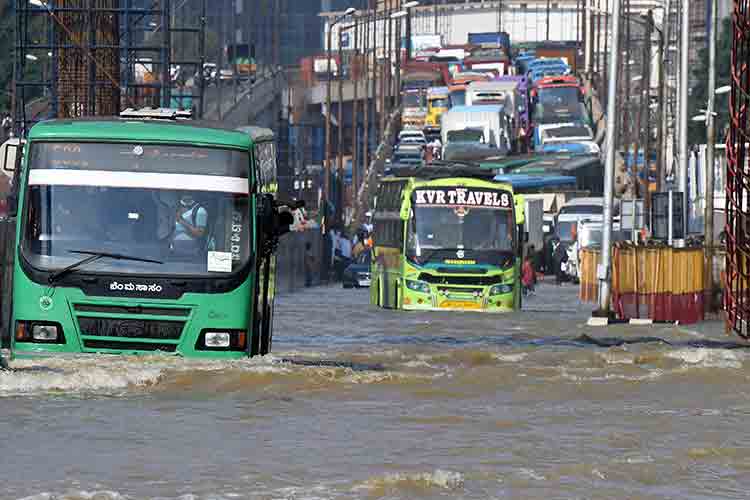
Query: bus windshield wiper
[92,257]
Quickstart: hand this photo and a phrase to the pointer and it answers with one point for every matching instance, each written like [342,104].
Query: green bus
[144,233]
[446,238]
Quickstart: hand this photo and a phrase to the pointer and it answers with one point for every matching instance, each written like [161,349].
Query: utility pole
[435,15]
[646,109]
[627,115]
[381,127]
[327,181]
[661,159]
[685,58]
[604,270]
[340,169]
[366,103]
[355,112]
[589,37]
[605,73]
[708,270]
[499,15]
[549,6]
[219,85]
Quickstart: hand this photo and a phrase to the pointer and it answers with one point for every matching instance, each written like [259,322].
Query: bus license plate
[364,282]
[459,304]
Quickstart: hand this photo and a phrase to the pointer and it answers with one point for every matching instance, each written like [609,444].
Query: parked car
[357,275]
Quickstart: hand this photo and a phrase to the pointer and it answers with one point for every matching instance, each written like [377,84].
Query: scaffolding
[78,58]
[737,296]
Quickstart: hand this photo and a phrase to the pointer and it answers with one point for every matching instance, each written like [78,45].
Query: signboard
[463,197]
[632,215]
[320,65]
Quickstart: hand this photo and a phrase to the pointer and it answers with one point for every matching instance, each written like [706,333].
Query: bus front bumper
[442,301]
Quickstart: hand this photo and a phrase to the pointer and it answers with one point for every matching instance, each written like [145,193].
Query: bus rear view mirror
[11,154]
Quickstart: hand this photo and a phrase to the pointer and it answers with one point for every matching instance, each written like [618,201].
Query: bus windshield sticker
[219,262]
[463,197]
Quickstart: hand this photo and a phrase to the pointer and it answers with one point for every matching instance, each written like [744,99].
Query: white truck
[490,92]
[489,119]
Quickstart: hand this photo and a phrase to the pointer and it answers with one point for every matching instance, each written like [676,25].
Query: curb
[636,322]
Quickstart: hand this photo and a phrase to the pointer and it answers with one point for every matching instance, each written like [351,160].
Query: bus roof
[526,181]
[127,130]
[444,170]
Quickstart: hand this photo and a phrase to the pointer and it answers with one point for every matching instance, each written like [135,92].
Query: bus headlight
[217,339]
[501,289]
[222,340]
[418,286]
[44,333]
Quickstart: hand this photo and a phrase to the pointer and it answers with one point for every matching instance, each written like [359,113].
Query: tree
[699,94]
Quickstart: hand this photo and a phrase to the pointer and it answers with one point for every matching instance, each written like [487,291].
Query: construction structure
[77,58]
[736,297]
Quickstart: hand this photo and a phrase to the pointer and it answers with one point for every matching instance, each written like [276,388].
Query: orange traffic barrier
[658,283]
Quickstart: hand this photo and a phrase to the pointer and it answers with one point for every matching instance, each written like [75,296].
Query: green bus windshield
[185,207]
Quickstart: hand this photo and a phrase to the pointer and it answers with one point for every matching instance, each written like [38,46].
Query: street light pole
[605,266]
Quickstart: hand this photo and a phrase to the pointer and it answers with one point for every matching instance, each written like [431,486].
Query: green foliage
[699,94]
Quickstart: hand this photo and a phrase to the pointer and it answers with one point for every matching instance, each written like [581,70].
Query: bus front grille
[128,346]
[460,280]
[130,328]
[450,291]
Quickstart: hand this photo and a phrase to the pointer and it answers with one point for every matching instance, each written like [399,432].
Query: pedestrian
[335,251]
[559,259]
[360,245]
[345,245]
[309,264]
[528,276]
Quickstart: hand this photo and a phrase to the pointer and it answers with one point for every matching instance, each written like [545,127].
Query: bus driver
[191,220]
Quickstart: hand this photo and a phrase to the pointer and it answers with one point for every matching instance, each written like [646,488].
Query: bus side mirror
[12,154]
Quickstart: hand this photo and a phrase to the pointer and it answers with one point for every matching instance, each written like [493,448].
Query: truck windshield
[413,101]
[466,135]
[458,97]
[440,102]
[183,206]
[441,229]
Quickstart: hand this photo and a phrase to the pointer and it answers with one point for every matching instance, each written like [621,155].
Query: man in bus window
[191,220]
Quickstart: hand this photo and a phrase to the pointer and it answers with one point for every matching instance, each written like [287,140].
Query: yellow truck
[438,102]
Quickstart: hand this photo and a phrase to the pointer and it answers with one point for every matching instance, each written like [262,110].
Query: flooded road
[360,403]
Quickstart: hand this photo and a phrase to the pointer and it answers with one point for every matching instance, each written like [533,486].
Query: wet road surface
[359,403]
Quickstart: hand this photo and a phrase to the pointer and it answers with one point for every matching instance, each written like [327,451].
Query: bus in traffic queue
[446,237]
[144,233]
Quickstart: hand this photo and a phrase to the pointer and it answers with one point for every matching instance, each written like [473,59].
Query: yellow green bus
[447,238]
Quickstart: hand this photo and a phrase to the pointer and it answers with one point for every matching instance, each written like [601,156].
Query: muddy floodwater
[360,403]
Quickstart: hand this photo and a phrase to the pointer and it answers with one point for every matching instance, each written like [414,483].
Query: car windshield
[187,207]
[460,220]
